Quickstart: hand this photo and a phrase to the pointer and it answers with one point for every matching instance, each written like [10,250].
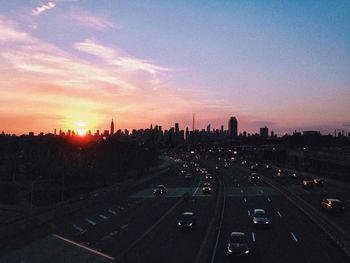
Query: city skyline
[74,64]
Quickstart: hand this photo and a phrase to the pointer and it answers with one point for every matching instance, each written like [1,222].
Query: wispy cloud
[115,58]
[44,7]
[93,21]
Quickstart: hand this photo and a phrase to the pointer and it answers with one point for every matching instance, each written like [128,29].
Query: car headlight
[246,252]
[254,221]
[267,222]
[179,223]
[190,224]
[229,250]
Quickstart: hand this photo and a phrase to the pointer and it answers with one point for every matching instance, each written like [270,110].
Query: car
[260,218]
[294,175]
[237,244]
[253,168]
[308,184]
[255,177]
[188,176]
[279,173]
[206,189]
[243,163]
[318,181]
[333,205]
[208,177]
[187,220]
[226,165]
[268,167]
[159,190]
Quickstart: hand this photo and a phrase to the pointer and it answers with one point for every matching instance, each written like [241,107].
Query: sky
[70,64]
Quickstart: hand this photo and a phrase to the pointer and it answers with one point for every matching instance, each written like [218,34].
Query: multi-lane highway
[141,227]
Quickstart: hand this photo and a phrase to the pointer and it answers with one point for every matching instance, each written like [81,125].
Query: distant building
[112,127]
[208,128]
[233,127]
[311,133]
[264,132]
[177,128]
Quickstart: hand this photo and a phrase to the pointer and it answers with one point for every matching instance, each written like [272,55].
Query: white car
[260,218]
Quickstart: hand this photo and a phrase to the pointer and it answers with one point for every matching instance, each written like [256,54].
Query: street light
[31,192]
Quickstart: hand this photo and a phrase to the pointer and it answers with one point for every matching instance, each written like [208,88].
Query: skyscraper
[264,132]
[112,128]
[177,128]
[233,127]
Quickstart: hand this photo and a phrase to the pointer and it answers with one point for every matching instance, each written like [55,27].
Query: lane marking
[347,213]
[84,247]
[199,184]
[248,213]
[238,185]
[253,236]
[278,212]
[245,199]
[112,211]
[242,191]
[103,216]
[109,235]
[81,231]
[268,199]
[90,221]
[121,208]
[295,238]
[261,191]
[124,226]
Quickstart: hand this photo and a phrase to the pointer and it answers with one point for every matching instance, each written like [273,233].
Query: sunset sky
[70,64]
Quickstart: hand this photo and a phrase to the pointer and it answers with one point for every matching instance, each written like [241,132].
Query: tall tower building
[112,128]
[233,127]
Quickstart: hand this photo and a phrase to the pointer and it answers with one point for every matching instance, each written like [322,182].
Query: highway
[140,227]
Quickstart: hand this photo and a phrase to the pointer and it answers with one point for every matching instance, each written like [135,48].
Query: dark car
[318,182]
[307,184]
[255,177]
[208,177]
[333,205]
[187,220]
[268,167]
[159,190]
[237,244]
[253,168]
[206,189]
[260,218]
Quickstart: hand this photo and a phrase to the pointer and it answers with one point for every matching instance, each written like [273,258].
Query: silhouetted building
[233,127]
[112,127]
[208,128]
[264,132]
[177,128]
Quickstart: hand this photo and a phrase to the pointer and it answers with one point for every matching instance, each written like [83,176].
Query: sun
[81,132]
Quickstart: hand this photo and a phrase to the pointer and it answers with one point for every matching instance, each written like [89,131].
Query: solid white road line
[253,236]
[103,217]
[278,212]
[112,211]
[84,247]
[199,184]
[268,199]
[295,238]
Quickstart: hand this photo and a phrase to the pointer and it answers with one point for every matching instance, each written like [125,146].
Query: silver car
[260,218]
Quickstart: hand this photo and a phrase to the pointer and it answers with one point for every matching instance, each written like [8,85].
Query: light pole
[31,192]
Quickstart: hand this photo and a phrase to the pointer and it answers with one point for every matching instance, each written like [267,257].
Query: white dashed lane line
[253,236]
[90,221]
[248,213]
[112,211]
[245,199]
[124,226]
[103,217]
[278,212]
[294,237]
[268,199]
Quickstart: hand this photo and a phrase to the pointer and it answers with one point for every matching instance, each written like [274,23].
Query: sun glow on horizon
[81,132]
